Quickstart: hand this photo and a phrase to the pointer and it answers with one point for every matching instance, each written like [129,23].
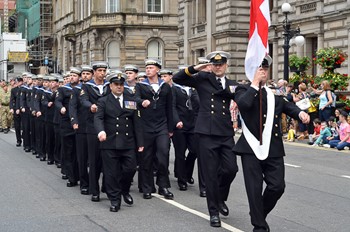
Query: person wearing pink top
[344,133]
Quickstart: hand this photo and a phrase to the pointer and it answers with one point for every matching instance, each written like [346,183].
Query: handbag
[304,104]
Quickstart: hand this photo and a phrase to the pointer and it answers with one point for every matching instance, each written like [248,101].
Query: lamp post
[288,34]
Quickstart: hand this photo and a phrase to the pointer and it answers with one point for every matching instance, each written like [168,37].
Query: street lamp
[288,34]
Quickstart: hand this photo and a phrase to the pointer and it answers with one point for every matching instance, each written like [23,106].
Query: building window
[113,54]
[155,50]
[112,6]
[154,6]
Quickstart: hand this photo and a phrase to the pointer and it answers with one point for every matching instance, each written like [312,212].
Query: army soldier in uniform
[214,129]
[7,116]
[263,163]
[68,147]
[118,125]
[91,91]
[79,115]
[155,99]
[14,108]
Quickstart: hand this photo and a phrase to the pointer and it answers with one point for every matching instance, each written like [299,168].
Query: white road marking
[197,213]
[292,165]
[345,176]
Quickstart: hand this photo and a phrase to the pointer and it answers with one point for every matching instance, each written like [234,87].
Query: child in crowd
[344,133]
[317,130]
[324,134]
[291,133]
[333,126]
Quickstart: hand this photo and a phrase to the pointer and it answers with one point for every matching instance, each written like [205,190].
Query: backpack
[334,97]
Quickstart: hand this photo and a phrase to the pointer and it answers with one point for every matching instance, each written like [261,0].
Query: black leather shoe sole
[71,184]
[114,208]
[147,196]
[203,194]
[215,221]
[84,191]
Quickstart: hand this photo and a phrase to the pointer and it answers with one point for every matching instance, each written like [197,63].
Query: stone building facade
[118,31]
[208,25]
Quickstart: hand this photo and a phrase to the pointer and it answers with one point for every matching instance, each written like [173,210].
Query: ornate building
[118,31]
[206,25]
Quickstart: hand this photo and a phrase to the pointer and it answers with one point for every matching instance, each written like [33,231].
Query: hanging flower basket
[330,58]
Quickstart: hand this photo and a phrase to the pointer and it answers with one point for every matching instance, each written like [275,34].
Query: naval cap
[203,60]
[218,57]
[116,77]
[153,61]
[99,64]
[86,68]
[130,67]
[165,71]
[75,70]
[267,61]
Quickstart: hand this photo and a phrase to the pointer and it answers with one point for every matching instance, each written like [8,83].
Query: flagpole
[260,114]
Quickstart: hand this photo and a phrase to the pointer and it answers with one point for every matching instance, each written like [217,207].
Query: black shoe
[6,131]
[203,193]
[18,144]
[1,130]
[190,181]
[147,196]
[166,193]
[42,158]
[140,190]
[34,152]
[310,143]
[95,198]
[72,183]
[128,199]
[115,207]
[182,187]
[58,165]
[64,177]
[27,150]
[84,191]
[215,221]
[223,209]
[50,162]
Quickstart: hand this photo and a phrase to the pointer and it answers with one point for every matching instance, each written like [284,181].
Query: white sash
[262,152]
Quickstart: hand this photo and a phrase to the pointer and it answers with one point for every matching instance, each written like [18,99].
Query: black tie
[118,100]
[219,81]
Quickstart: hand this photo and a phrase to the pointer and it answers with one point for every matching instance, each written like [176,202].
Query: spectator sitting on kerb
[344,133]
[324,134]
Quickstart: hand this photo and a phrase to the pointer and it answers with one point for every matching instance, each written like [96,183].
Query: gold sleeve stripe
[187,72]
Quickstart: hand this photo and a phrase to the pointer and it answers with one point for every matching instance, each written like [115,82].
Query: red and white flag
[258,46]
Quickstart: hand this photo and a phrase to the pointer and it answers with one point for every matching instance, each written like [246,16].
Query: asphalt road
[35,198]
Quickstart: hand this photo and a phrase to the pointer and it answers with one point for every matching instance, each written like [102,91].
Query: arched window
[155,50]
[113,54]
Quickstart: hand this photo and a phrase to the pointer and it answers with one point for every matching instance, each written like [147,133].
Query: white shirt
[155,87]
[100,88]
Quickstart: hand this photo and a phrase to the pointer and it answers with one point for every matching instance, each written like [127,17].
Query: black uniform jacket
[185,107]
[214,116]
[48,96]
[78,113]
[14,99]
[158,116]
[89,95]
[121,125]
[63,96]
[247,99]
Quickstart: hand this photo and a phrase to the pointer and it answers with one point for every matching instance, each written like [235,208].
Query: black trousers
[118,170]
[17,124]
[95,163]
[40,140]
[25,118]
[69,157]
[57,143]
[82,156]
[219,165]
[50,141]
[184,141]
[156,145]
[32,133]
[261,202]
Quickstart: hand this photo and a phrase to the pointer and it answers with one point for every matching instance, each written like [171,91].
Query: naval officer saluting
[214,129]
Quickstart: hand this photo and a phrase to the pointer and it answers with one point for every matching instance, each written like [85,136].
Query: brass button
[212,99]
[117,125]
[223,107]
[276,134]
[276,125]
[223,101]
[223,113]
[264,115]
[117,118]
[127,125]
[126,118]
[127,134]
[212,106]
[276,116]
[212,112]
[116,133]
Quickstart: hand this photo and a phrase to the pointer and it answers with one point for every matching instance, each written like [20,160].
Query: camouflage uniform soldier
[6,115]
